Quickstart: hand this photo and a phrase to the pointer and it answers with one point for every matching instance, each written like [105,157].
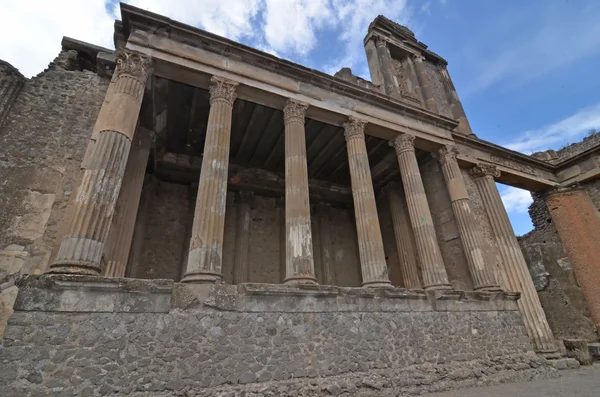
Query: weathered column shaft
[515,274]
[242,236]
[577,221]
[405,241]
[425,84]
[205,259]
[387,68]
[370,243]
[92,210]
[327,270]
[300,266]
[123,224]
[469,230]
[432,265]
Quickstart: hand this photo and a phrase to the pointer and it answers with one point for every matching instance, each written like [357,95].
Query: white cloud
[32,30]
[515,200]
[287,28]
[559,133]
[562,37]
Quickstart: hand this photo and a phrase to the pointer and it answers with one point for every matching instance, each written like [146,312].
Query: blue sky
[526,71]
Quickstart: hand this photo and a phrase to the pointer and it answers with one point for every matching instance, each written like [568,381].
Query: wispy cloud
[562,37]
[559,133]
[516,201]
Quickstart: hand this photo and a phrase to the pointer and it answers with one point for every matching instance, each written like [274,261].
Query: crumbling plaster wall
[42,142]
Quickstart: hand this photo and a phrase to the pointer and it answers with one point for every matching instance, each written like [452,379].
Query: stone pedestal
[425,84]
[121,231]
[92,210]
[577,222]
[327,271]
[471,234]
[515,274]
[370,242]
[300,266]
[405,241]
[432,265]
[205,258]
[242,236]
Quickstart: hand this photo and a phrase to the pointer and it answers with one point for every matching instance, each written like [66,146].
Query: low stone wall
[76,335]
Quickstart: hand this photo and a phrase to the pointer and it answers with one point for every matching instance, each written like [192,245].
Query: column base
[488,288]
[438,287]
[377,284]
[202,278]
[75,267]
[549,354]
[301,280]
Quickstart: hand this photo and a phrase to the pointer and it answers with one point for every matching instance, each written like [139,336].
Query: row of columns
[94,206]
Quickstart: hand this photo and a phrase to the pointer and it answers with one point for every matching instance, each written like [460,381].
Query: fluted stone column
[370,243]
[515,274]
[432,265]
[205,259]
[425,84]
[123,224]
[300,266]
[405,241]
[469,230]
[387,68]
[92,210]
[242,236]
[328,273]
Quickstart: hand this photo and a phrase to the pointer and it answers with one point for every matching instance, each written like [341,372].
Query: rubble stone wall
[154,338]
[42,142]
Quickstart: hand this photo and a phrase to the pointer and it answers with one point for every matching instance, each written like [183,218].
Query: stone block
[594,349]
[578,349]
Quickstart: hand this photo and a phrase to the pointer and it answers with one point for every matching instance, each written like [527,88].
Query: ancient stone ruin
[190,216]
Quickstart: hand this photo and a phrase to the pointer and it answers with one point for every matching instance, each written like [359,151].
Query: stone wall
[11,82]
[42,140]
[556,282]
[154,338]
[440,93]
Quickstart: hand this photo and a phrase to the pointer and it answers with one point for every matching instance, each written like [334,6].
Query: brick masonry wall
[262,340]
[560,293]
[42,142]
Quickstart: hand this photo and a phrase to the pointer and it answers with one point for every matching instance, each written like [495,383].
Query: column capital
[403,143]
[417,57]
[446,154]
[484,170]
[133,64]
[354,128]
[294,111]
[222,88]
[380,42]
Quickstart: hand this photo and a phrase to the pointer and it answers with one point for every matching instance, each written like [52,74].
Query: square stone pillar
[205,258]
[424,83]
[432,265]
[327,261]
[91,212]
[300,266]
[387,68]
[515,274]
[471,235]
[370,243]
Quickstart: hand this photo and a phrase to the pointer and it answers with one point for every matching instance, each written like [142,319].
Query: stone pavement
[582,382]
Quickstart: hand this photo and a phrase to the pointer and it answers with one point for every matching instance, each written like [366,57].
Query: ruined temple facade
[188,214]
